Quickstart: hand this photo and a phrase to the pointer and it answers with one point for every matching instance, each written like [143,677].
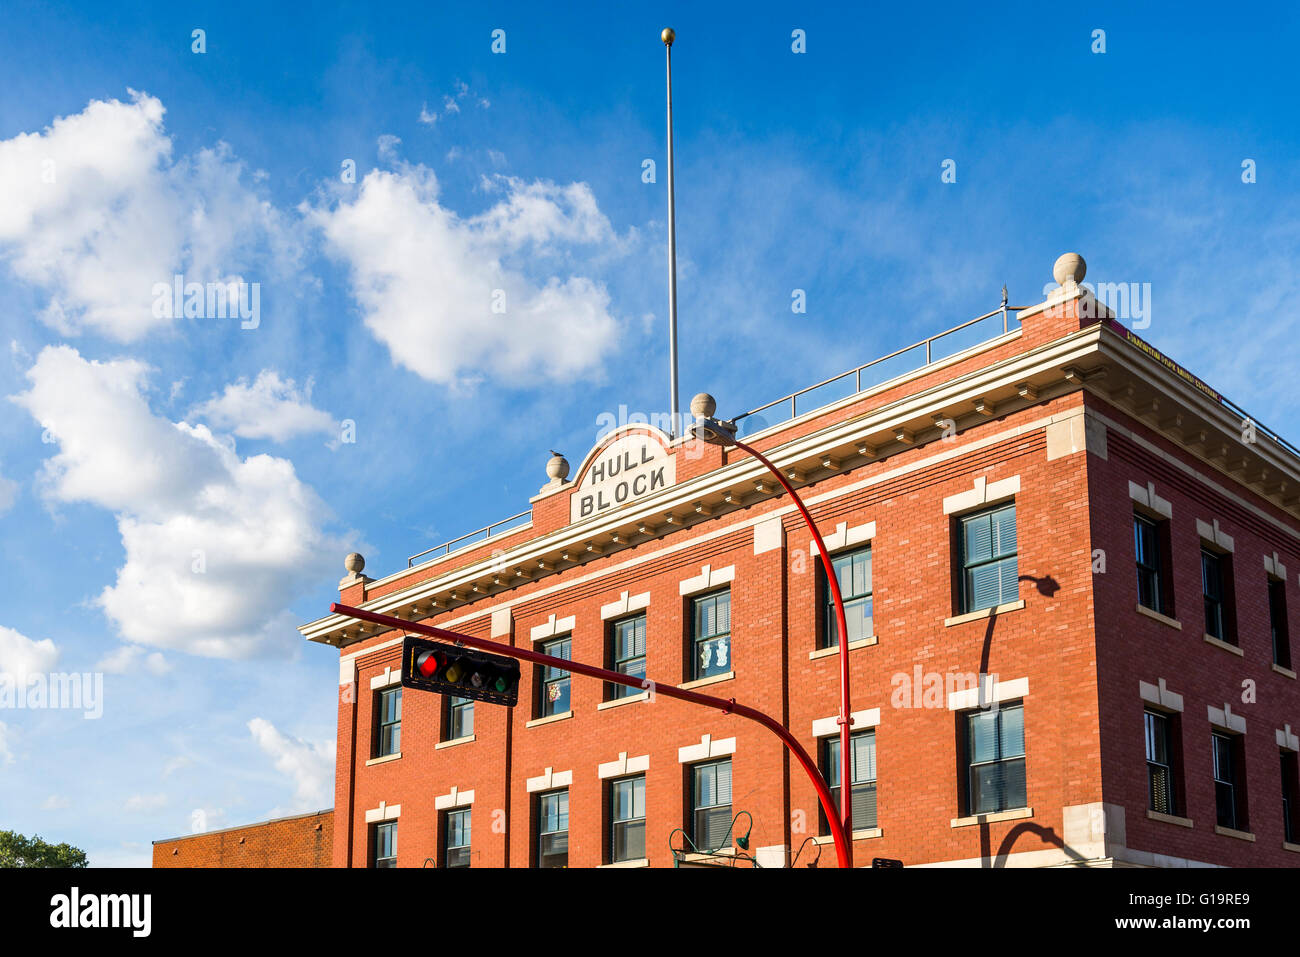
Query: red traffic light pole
[725,705]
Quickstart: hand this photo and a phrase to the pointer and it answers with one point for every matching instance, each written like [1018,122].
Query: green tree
[19,851]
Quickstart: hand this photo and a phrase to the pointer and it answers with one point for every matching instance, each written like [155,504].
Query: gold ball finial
[668,36]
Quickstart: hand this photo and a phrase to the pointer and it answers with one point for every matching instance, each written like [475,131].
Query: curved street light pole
[723,434]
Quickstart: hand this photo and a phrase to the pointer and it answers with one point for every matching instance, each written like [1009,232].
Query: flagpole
[668,36]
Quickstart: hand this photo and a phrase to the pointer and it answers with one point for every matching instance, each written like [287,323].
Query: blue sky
[135,449]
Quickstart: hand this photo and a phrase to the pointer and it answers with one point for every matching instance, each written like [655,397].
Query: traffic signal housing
[463,672]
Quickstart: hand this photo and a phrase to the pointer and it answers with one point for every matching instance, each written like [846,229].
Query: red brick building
[303,840]
[1070,567]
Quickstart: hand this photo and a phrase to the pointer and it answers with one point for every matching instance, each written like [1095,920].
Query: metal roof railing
[927,344]
[487,531]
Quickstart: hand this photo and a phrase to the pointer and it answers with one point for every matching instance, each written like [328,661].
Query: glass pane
[1161,790]
[864,757]
[629,841]
[984,587]
[711,826]
[982,737]
[998,786]
[832,769]
[864,806]
[977,537]
[1004,531]
[1013,732]
[1008,580]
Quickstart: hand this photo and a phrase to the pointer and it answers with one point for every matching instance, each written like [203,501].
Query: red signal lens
[426,664]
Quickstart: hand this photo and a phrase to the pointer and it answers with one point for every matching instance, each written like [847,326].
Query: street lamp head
[714,432]
[668,36]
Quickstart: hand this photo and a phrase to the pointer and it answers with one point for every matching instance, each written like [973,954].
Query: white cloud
[145,802]
[20,655]
[450,104]
[427,279]
[176,764]
[216,545]
[270,408]
[126,658]
[55,802]
[310,765]
[95,211]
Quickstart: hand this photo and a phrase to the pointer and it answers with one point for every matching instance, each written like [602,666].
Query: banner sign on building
[1164,360]
[630,467]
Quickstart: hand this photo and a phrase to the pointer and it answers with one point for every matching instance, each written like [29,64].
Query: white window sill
[1288,846]
[866,834]
[984,613]
[1284,671]
[453,742]
[1163,619]
[1229,832]
[549,719]
[1015,815]
[618,702]
[1169,818]
[384,759]
[638,862]
[866,642]
[1211,640]
[711,680]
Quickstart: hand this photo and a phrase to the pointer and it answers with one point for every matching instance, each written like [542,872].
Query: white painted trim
[989,691]
[549,629]
[1160,696]
[383,759]
[711,680]
[1273,565]
[1155,615]
[626,699]
[864,642]
[453,742]
[501,622]
[845,537]
[389,677]
[549,719]
[452,799]
[769,535]
[385,812]
[982,493]
[984,613]
[707,748]
[625,605]
[1019,814]
[1148,499]
[708,579]
[549,780]
[623,766]
[347,670]
[1286,739]
[1211,532]
[827,727]
[1225,719]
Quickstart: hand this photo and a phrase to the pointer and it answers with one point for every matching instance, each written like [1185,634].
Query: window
[1277,622]
[995,756]
[988,559]
[627,819]
[863,771]
[384,841]
[1290,794]
[853,572]
[1161,784]
[711,804]
[553,683]
[459,721]
[1152,589]
[1229,793]
[553,829]
[456,839]
[628,653]
[1215,570]
[389,737]
[711,635]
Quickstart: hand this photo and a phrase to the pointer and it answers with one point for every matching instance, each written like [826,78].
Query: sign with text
[630,467]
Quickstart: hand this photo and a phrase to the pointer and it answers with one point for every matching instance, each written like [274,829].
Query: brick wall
[305,840]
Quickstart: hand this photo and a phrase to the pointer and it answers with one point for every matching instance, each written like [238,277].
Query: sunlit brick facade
[1037,684]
